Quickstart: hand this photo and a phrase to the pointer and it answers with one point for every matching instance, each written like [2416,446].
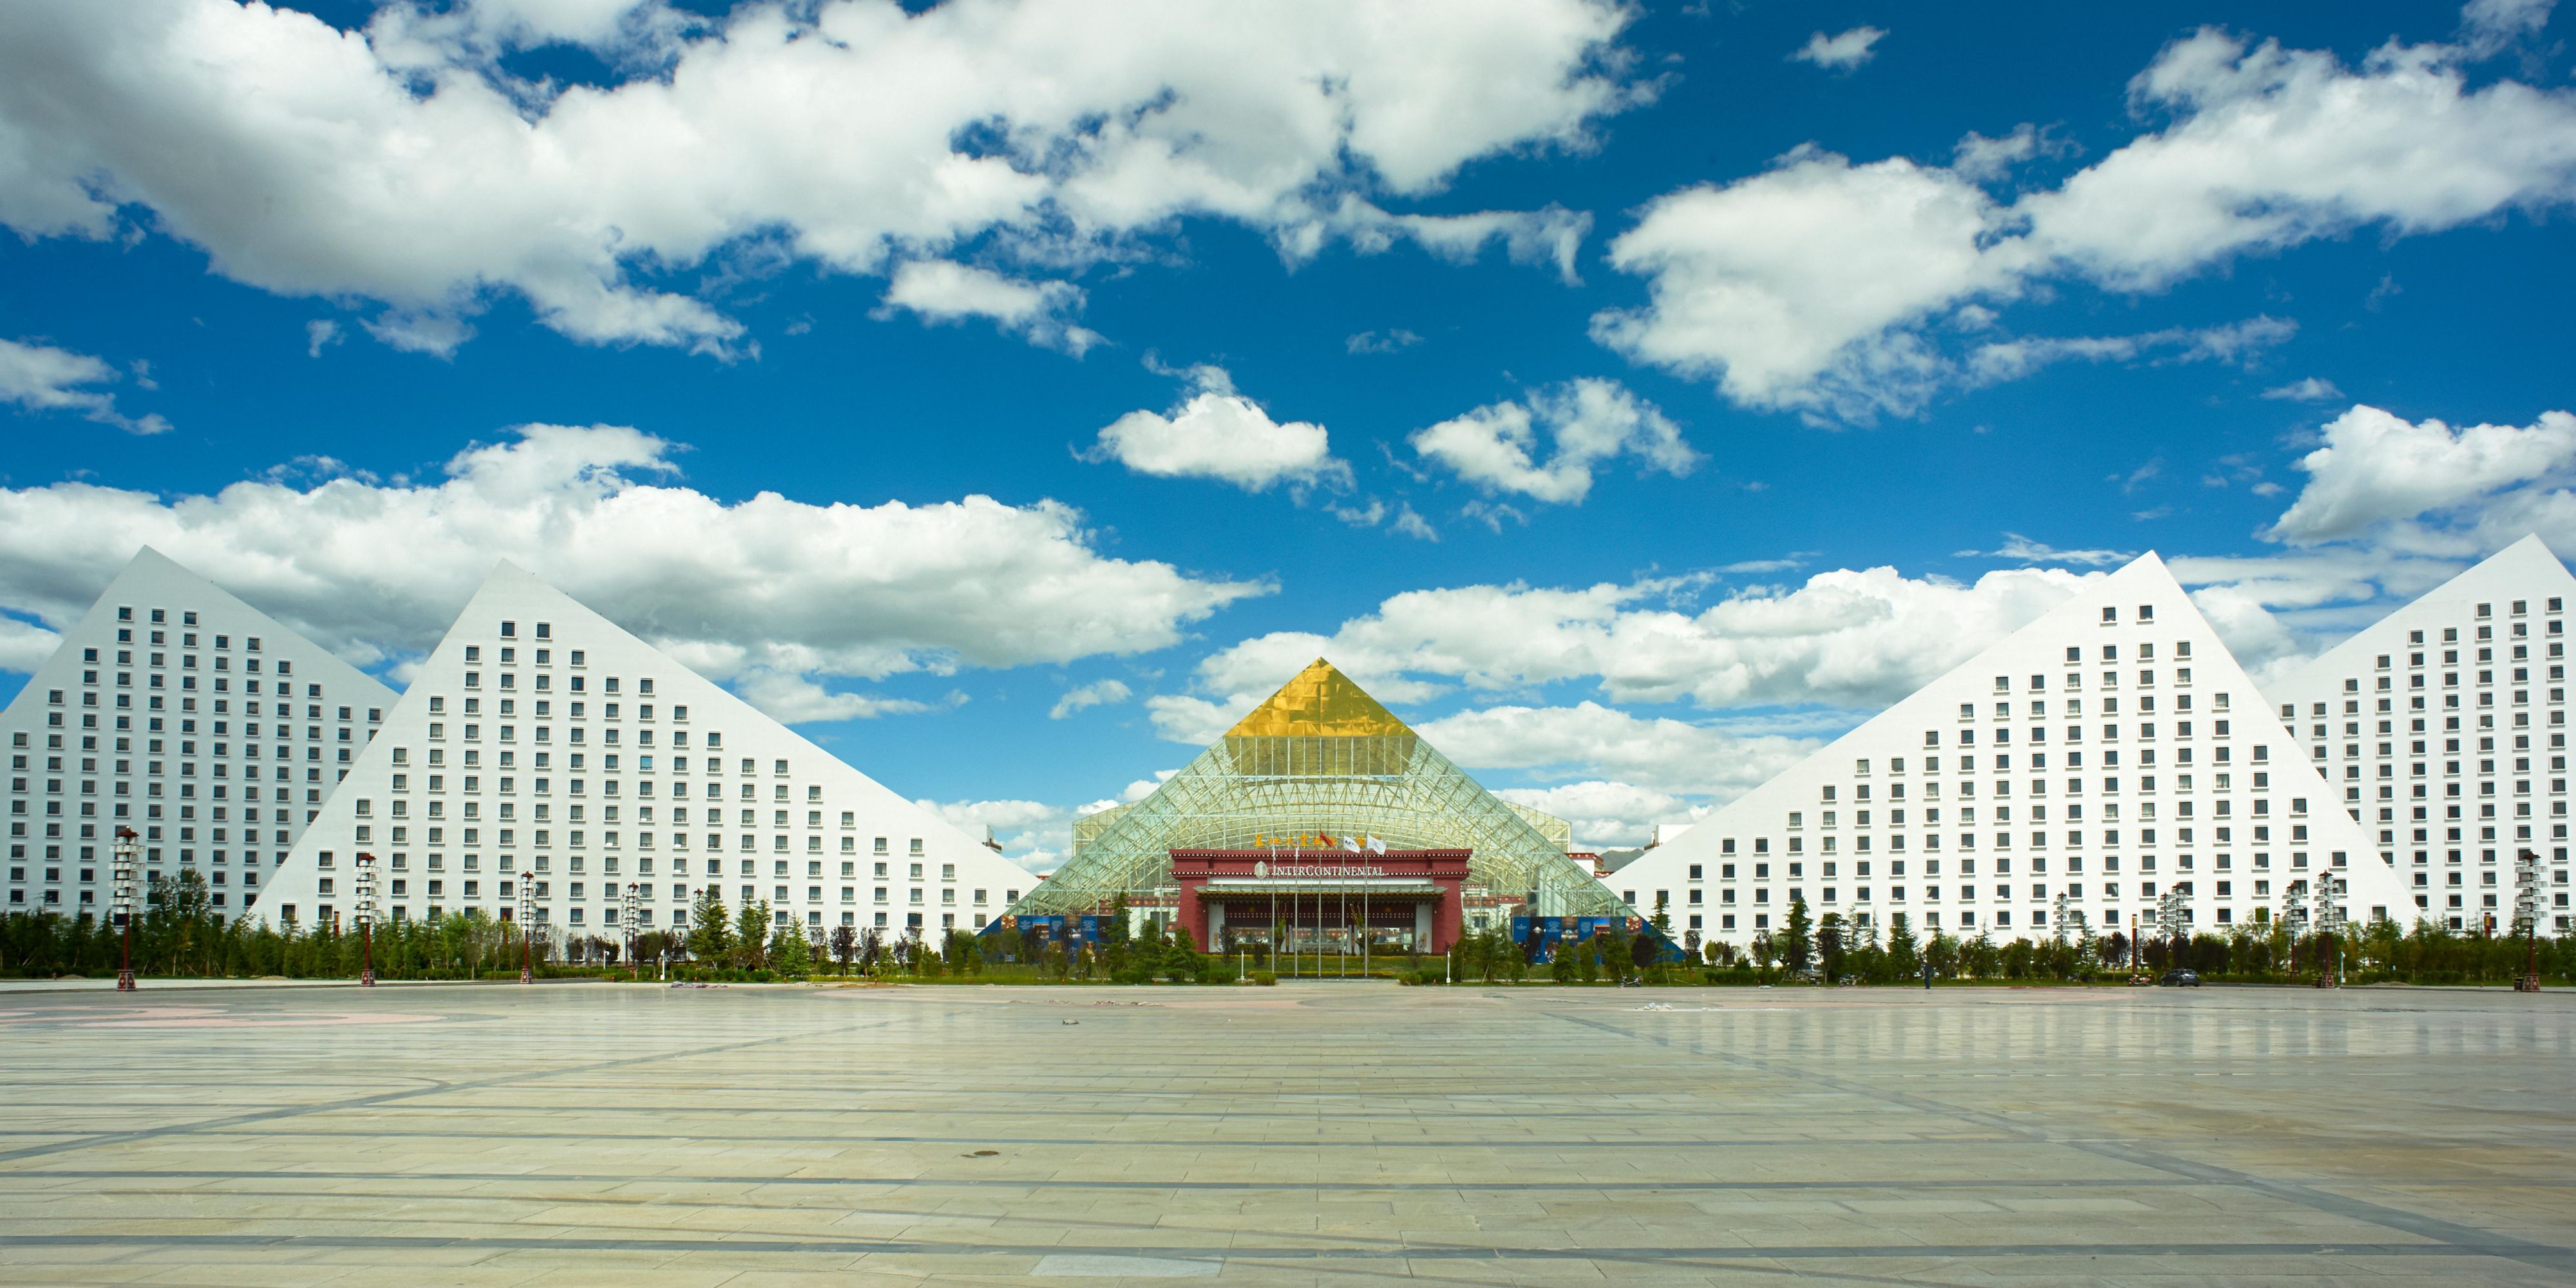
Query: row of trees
[181,933]
[1838,950]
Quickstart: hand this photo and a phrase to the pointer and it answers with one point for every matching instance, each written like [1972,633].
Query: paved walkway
[1296,1135]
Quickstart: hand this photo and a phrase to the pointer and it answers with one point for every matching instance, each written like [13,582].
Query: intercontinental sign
[1264,869]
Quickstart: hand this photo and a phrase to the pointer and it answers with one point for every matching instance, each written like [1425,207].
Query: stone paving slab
[1307,1134]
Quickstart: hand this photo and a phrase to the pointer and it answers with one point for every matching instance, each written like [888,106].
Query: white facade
[179,711]
[542,745]
[2105,754]
[2442,730]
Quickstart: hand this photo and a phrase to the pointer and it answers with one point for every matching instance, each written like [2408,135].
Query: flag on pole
[1351,843]
[1376,846]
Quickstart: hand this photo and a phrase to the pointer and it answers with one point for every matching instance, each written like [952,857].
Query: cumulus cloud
[1595,740]
[24,646]
[1032,834]
[1796,289]
[1588,422]
[1220,434]
[1847,638]
[1823,287]
[40,377]
[320,334]
[2424,486]
[1840,53]
[1098,693]
[780,595]
[1608,815]
[408,167]
[1036,311]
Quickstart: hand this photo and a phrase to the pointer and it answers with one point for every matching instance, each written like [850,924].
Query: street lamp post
[124,906]
[366,918]
[527,927]
[634,913]
[2526,908]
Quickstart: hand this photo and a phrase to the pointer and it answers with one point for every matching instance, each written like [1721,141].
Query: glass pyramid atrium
[1322,759]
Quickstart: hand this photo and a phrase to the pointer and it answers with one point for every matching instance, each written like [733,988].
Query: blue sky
[1632,395]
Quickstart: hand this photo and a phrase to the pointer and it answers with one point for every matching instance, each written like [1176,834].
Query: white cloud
[2312,389]
[1840,53]
[1592,740]
[1197,722]
[1037,311]
[1998,361]
[24,646]
[2273,147]
[765,591]
[1849,638]
[2022,549]
[1220,434]
[1032,834]
[404,165]
[1588,422]
[1412,524]
[2425,486]
[1387,341]
[1821,286]
[2492,25]
[1795,288]
[1608,815]
[1982,159]
[40,377]
[1098,693]
[320,334]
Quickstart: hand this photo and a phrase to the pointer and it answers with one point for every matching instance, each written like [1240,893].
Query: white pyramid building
[181,712]
[540,743]
[2106,754]
[2442,730]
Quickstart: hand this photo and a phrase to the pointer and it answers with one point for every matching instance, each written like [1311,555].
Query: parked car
[2180,979]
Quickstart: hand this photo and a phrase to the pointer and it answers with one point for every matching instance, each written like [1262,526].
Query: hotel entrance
[1321,906]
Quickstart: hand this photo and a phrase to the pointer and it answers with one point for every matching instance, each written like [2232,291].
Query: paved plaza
[1344,1134]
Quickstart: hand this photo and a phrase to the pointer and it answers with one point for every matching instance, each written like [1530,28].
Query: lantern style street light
[527,927]
[2526,909]
[127,886]
[634,914]
[2325,918]
[364,912]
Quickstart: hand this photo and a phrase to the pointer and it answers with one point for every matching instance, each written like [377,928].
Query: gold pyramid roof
[1320,702]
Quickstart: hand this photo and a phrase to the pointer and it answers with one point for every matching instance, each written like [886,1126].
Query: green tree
[845,944]
[1797,942]
[751,935]
[710,929]
[1902,963]
[1829,945]
[789,953]
[1662,921]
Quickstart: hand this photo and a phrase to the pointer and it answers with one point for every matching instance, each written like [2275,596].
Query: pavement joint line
[389,1097]
[1436,1252]
[2419,1224]
[1051,1183]
[1675,1187]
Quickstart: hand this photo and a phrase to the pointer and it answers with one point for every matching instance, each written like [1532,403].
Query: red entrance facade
[1328,901]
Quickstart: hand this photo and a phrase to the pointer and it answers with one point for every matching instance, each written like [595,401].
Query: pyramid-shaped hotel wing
[1321,758]
[176,710]
[2442,731]
[540,738]
[2102,757]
